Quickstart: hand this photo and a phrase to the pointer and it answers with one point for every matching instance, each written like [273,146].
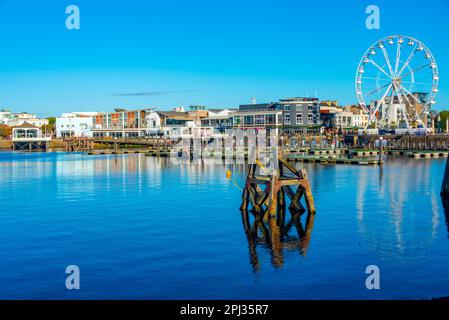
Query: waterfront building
[75,124]
[27,137]
[359,117]
[328,113]
[218,119]
[5,116]
[292,115]
[18,119]
[344,118]
[121,123]
[170,123]
[334,116]
[176,123]
[258,116]
[301,115]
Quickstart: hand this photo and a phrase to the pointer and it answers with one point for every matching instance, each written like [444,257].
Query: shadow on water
[445,202]
[445,192]
[295,234]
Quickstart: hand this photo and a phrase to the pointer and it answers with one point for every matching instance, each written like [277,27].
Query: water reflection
[387,201]
[295,234]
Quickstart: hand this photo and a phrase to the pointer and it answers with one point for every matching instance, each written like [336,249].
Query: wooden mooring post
[266,196]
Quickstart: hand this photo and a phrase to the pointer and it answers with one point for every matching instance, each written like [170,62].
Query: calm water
[141,228]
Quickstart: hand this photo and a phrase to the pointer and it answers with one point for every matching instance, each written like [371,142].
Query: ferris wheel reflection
[402,216]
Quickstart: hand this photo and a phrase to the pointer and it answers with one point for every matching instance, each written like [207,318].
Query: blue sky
[164,54]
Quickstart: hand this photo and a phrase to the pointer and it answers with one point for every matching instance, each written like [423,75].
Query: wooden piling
[265,195]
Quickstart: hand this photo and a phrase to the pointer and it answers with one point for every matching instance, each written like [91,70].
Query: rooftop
[26,125]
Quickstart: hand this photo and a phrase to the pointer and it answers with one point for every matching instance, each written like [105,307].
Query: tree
[50,127]
[5,131]
[444,115]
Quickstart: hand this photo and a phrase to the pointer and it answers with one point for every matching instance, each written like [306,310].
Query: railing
[31,139]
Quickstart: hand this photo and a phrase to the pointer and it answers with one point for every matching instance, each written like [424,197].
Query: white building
[5,116]
[170,123]
[218,119]
[344,118]
[75,124]
[18,119]
[359,118]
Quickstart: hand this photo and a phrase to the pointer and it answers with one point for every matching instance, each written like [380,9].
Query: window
[260,119]
[287,108]
[298,118]
[249,119]
[298,107]
[310,118]
[287,119]
[271,119]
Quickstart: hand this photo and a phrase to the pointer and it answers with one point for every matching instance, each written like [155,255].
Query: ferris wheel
[397,82]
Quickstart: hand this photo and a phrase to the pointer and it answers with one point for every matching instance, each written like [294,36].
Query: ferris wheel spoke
[411,95]
[377,79]
[378,89]
[403,106]
[387,59]
[407,62]
[416,69]
[416,116]
[420,83]
[378,67]
[380,103]
[398,57]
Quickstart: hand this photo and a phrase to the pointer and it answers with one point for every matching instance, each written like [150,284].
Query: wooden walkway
[427,154]
[331,159]
[93,144]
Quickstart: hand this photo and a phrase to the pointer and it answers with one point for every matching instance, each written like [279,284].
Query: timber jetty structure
[99,145]
[266,196]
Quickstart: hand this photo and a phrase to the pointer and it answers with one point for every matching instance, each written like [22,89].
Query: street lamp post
[381,139]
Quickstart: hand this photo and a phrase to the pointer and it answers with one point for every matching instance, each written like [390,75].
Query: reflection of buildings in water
[26,169]
[294,236]
[400,181]
[133,170]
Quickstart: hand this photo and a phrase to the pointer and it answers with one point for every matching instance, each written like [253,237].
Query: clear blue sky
[218,53]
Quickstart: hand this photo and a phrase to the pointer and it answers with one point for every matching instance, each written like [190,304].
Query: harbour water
[142,228]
